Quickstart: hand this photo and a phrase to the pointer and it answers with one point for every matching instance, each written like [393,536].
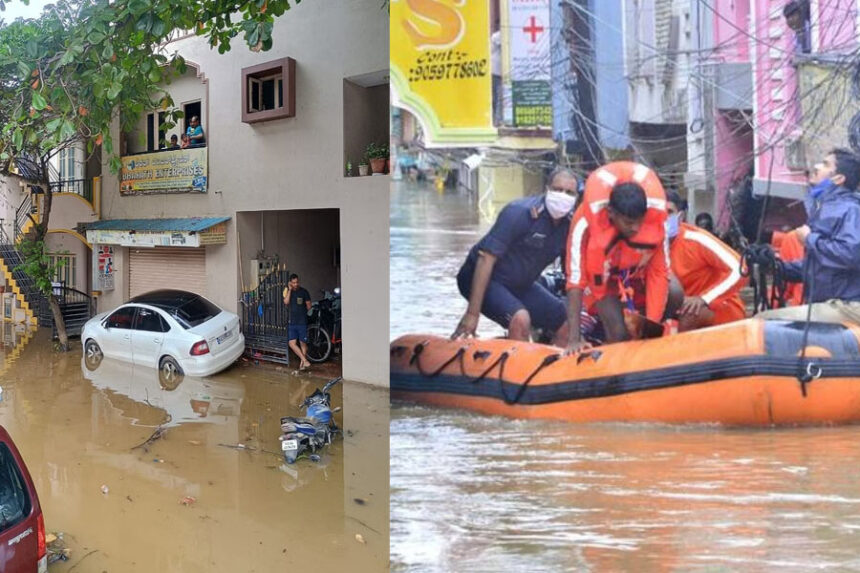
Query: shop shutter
[182,268]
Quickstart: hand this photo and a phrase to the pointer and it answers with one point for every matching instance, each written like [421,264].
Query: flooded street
[213,493]
[481,493]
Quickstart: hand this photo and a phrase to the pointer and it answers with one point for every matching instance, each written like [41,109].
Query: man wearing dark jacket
[830,271]
[500,276]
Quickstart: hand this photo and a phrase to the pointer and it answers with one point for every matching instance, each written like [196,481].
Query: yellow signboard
[166,171]
[440,68]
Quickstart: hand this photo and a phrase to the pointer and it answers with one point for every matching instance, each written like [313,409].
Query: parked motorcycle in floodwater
[310,434]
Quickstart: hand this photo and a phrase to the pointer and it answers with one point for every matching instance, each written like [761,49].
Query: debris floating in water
[105,489]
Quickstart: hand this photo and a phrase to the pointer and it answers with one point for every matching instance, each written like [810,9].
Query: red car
[22,526]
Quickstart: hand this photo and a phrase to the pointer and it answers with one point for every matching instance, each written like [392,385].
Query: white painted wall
[291,164]
[11,195]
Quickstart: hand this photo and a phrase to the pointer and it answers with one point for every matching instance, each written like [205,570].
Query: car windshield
[195,312]
[14,499]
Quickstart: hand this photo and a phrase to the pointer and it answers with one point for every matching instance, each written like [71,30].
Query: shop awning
[190,224]
[186,232]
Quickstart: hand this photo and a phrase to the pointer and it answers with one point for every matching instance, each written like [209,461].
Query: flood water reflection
[482,493]
[76,429]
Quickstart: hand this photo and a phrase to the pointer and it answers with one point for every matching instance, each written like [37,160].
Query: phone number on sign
[449,71]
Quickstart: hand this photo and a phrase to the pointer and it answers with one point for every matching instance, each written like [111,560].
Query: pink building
[831,27]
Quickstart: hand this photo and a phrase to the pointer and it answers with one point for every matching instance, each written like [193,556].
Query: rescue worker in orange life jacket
[709,271]
[617,249]
[499,276]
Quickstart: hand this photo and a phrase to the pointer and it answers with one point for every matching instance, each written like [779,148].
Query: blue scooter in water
[309,434]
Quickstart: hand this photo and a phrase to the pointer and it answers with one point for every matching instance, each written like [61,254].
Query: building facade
[268,190]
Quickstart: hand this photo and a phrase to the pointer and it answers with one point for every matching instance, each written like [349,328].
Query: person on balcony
[186,141]
[195,132]
[174,142]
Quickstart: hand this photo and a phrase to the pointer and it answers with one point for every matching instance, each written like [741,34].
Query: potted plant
[363,167]
[377,153]
[348,168]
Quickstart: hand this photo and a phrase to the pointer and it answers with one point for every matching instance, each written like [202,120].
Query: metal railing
[82,187]
[22,214]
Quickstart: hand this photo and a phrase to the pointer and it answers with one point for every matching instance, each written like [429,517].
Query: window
[65,269]
[15,502]
[195,312]
[154,131]
[268,91]
[150,321]
[122,318]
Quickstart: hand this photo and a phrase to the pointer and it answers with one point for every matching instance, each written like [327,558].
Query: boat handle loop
[417,361]
[549,359]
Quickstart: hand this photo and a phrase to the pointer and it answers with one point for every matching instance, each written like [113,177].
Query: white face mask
[559,203]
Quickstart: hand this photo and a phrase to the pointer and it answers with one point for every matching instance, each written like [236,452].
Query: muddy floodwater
[483,494]
[192,501]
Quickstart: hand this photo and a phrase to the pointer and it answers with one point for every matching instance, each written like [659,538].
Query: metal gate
[265,317]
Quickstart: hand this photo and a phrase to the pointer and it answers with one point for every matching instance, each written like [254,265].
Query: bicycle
[324,327]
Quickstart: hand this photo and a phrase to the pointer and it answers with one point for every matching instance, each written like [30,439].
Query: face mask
[821,188]
[559,203]
[673,225]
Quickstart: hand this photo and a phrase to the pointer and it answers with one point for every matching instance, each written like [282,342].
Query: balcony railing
[82,187]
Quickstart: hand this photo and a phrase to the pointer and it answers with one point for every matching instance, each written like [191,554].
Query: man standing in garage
[298,301]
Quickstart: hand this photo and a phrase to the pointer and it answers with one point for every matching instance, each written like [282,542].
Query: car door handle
[156,340]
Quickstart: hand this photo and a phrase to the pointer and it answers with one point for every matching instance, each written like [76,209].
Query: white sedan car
[176,331]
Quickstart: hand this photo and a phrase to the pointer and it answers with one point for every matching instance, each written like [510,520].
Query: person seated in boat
[830,269]
[617,250]
[500,275]
[708,270]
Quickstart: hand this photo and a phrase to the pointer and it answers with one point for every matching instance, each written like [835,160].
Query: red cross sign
[533,29]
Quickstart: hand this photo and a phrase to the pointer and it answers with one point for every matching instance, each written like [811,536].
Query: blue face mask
[821,188]
[673,225]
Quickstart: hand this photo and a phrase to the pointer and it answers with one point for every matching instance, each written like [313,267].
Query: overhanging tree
[66,76]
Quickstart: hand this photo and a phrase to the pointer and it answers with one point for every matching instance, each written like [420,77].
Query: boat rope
[416,360]
[811,371]
[546,362]
[503,357]
[757,261]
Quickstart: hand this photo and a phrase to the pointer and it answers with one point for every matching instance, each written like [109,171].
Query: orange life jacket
[596,250]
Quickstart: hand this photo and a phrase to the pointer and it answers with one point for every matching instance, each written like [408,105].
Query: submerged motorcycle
[309,434]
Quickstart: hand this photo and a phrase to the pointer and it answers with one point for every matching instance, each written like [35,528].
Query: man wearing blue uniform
[499,277]
[830,270]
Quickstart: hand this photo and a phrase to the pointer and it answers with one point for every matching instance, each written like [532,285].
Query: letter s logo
[443,25]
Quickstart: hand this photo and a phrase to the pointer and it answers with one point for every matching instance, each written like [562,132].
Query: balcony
[81,187]
[165,171]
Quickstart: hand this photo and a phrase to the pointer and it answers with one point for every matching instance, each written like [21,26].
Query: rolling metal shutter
[182,268]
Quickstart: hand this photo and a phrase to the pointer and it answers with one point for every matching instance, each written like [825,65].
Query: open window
[268,91]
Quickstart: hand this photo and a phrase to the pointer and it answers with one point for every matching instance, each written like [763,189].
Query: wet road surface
[482,493]
[76,429]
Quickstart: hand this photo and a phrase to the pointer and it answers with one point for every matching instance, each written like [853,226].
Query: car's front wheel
[170,373]
[93,354]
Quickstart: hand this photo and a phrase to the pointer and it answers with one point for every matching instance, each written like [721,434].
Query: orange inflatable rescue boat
[751,372]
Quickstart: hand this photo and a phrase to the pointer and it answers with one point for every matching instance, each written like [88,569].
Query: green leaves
[39,102]
[17,138]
